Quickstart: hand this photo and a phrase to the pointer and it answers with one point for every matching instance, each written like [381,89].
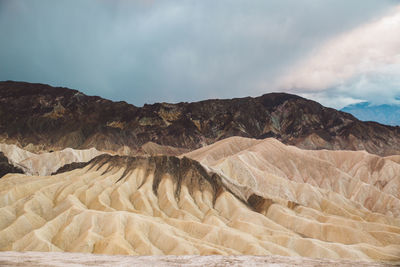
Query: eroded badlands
[246,196]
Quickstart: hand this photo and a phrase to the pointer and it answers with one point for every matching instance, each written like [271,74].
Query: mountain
[39,117]
[236,196]
[271,175]
[386,114]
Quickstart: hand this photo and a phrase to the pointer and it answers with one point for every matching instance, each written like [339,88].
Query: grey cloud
[149,51]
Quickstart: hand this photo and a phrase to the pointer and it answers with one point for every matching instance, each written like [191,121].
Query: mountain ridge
[40,117]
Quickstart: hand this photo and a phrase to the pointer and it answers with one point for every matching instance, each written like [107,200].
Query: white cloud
[380,87]
[331,99]
[351,64]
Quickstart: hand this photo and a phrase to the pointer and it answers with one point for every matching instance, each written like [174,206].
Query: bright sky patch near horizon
[337,52]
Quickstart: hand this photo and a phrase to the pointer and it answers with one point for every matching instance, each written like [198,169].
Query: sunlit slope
[347,179]
[47,162]
[166,205]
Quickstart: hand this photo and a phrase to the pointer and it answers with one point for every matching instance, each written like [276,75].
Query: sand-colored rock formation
[48,162]
[307,177]
[168,205]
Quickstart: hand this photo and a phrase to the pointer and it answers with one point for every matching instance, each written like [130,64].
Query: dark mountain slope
[39,116]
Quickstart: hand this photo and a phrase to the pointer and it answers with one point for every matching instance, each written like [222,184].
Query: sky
[337,52]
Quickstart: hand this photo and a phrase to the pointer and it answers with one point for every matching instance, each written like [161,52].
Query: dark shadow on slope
[6,167]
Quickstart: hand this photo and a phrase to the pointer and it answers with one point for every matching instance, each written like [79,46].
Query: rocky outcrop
[6,167]
[70,167]
[181,171]
[41,117]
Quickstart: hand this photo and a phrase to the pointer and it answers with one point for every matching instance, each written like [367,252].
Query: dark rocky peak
[45,117]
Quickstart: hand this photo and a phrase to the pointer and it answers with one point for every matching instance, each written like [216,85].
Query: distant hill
[385,114]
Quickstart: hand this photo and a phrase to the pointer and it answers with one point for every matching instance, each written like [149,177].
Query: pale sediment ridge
[57,259]
[170,206]
[308,177]
[47,162]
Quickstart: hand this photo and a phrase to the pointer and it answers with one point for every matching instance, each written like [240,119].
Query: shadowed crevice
[6,167]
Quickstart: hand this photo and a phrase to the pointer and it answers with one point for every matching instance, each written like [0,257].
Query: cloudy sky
[337,52]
